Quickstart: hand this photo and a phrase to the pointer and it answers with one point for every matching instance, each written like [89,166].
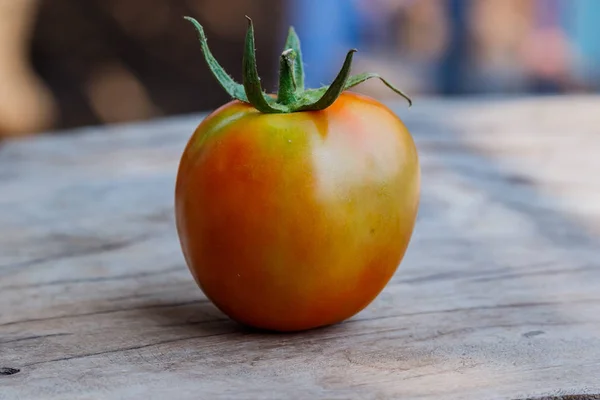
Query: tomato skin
[294,221]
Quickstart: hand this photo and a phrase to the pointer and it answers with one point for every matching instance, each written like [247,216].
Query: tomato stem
[293,42]
[287,80]
[291,95]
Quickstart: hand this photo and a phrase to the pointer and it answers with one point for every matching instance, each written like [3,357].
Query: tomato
[294,220]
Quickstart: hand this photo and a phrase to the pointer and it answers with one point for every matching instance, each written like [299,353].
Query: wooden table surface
[498,296]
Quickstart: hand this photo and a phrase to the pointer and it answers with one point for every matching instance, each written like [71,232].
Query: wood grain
[497,298]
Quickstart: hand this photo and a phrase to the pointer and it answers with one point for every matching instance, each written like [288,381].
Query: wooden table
[498,296]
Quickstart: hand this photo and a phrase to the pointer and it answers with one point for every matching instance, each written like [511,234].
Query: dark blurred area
[70,63]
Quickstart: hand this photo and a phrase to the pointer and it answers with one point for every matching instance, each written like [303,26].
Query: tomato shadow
[212,331]
[202,315]
[195,316]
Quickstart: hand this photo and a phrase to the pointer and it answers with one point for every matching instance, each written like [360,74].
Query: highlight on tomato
[295,209]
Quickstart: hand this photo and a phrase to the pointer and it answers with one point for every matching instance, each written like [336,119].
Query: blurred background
[70,63]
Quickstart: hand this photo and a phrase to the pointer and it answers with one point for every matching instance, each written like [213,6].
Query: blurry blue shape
[452,68]
[584,28]
[327,30]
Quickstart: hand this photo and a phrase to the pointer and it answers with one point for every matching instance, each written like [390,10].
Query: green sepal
[332,92]
[232,88]
[251,80]
[360,78]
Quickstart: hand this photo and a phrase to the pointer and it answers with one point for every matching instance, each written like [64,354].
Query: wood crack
[143,346]
[478,308]
[185,303]
[34,337]
[88,251]
[94,279]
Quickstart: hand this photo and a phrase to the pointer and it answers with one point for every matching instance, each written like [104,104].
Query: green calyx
[291,96]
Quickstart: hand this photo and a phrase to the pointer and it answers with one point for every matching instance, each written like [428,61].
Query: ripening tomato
[291,220]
